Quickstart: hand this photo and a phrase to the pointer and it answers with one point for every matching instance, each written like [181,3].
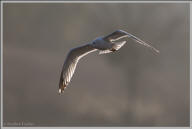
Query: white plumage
[107,44]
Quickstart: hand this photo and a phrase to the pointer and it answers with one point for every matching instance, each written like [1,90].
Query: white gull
[107,44]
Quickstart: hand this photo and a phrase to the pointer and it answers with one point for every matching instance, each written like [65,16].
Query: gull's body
[107,44]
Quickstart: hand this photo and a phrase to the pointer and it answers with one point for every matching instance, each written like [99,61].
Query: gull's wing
[70,64]
[115,35]
[119,34]
[116,46]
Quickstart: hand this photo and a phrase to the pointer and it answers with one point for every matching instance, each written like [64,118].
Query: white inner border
[2,2]
[1,64]
[187,1]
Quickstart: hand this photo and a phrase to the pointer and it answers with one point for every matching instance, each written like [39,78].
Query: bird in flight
[106,44]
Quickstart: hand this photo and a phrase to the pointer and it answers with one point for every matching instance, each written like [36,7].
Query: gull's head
[96,41]
[93,42]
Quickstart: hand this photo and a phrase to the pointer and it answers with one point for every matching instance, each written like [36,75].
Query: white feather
[118,45]
[104,51]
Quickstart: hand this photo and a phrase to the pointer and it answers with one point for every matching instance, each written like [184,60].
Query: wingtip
[61,88]
[157,51]
[61,91]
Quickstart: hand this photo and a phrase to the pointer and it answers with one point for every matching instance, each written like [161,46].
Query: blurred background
[131,87]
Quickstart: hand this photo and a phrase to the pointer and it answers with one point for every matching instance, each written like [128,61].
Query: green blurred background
[131,87]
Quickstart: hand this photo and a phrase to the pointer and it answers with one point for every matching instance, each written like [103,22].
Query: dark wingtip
[62,86]
[158,51]
[155,50]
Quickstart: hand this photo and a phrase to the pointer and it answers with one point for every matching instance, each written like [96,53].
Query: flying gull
[107,44]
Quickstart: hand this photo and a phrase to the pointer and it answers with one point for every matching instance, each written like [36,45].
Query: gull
[106,44]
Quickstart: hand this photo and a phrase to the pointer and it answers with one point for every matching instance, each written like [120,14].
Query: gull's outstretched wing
[115,35]
[70,64]
[119,34]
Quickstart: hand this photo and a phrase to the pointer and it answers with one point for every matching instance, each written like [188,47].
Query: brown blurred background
[131,87]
